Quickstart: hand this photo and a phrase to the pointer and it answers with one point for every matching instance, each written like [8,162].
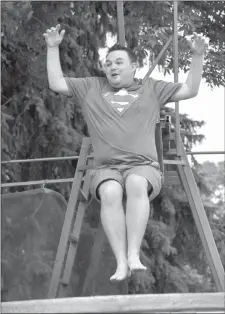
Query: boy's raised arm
[56,80]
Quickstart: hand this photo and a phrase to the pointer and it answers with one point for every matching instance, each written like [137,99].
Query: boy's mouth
[114,74]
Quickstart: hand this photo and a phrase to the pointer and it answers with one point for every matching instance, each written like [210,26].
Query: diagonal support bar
[201,221]
[165,47]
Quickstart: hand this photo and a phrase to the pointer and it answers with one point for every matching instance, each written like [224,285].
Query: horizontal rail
[147,303]
[51,181]
[42,159]
[221,152]
[37,182]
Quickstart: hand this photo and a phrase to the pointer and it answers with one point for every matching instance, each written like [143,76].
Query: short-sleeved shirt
[121,122]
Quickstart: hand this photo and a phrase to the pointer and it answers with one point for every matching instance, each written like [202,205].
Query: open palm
[198,44]
[52,36]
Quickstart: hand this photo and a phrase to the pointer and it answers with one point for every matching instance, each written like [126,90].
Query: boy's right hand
[52,36]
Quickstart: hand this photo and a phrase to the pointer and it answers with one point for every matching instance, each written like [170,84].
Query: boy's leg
[143,183]
[107,186]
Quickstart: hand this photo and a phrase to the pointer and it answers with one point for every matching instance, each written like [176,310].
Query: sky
[208,106]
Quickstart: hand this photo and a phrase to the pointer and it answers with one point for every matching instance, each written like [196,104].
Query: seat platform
[147,303]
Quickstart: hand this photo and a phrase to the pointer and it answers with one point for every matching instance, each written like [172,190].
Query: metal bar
[165,47]
[206,153]
[202,223]
[120,20]
[42,159]
[174,162]
[37,182]
[159,145]
[175,69]
[38,159]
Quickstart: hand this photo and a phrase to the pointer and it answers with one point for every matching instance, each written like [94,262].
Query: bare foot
[135,264]
[121,273]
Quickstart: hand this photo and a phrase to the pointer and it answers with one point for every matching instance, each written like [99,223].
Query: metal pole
[175,69]
[120,20]
[37,182]
[42,159]
[158,58]
[206,153]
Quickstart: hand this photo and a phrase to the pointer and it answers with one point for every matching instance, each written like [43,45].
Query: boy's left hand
[198,44]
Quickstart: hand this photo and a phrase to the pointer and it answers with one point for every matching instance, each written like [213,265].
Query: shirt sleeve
[165,90]
[78,87]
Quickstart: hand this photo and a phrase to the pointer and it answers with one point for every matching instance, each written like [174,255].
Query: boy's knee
[136,185]
[110,192]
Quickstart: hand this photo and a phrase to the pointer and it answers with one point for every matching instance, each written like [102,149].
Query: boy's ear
[134,66]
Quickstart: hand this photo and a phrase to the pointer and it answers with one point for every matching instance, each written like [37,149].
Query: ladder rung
[73,239]
[172,135]
[171,152]
[174,162]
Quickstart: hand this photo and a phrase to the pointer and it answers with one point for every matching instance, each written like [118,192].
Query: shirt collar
[137,83]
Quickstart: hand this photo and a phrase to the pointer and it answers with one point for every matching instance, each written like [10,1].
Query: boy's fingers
[45,35]
[57,27]
[62,33]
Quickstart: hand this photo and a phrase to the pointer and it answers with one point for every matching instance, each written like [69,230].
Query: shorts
[150,173]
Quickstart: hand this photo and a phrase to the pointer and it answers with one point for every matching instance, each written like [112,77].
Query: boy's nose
[114,66]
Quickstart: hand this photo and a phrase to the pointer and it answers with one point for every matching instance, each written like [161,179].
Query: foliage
[37,122]
[214,175]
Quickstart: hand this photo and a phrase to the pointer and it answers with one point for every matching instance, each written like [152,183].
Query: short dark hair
[128,51]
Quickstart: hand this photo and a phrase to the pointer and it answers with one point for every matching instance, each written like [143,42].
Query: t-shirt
[121,122]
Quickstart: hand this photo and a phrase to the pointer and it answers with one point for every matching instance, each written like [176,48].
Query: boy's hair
[128,51]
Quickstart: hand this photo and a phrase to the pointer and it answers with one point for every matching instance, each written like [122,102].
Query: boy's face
[119,69]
